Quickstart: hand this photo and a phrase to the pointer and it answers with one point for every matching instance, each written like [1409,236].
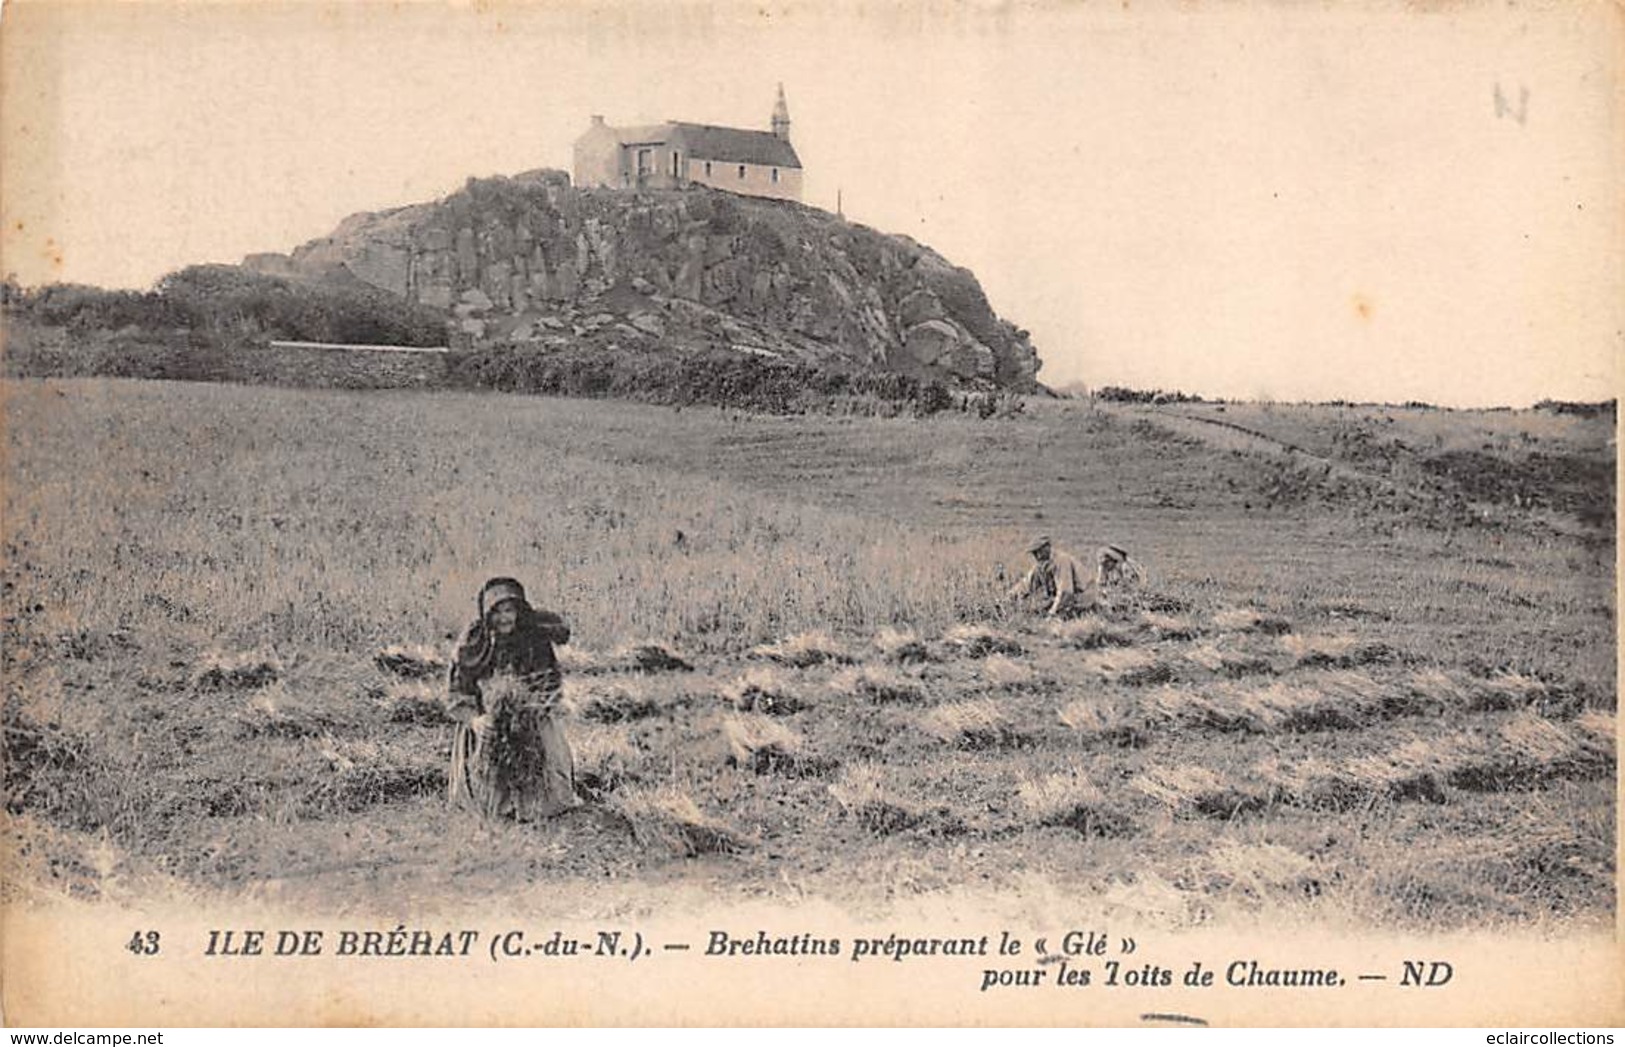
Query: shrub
[1119,394]
[722,378]
[228,299]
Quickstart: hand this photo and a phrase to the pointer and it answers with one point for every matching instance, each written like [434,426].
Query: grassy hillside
[1358,693]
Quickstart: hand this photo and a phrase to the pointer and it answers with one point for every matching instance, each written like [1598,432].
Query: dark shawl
[527,653]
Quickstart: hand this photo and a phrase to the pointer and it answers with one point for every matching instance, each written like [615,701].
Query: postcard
[1040,514]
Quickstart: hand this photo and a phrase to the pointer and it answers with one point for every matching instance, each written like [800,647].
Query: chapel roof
[732,145]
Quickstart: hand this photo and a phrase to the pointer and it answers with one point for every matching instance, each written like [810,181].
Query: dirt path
[1227,435]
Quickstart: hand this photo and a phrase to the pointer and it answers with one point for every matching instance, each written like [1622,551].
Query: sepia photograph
[921,513]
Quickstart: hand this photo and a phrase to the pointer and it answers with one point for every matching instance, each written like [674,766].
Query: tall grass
[231,661]
[1073,801]
[321,519]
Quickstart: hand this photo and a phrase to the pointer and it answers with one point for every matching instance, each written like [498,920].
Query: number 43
[144,943]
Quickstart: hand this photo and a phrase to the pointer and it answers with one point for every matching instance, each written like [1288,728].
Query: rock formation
[530,259]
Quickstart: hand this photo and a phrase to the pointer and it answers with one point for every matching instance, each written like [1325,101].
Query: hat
[1041,542]
[497,590]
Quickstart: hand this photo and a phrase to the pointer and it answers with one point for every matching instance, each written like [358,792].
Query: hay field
[225,607]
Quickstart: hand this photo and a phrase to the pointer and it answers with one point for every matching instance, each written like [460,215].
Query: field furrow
[793,668]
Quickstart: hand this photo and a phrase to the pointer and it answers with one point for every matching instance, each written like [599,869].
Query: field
[1370,679]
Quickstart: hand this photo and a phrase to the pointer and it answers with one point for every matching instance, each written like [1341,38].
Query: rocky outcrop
[530,259]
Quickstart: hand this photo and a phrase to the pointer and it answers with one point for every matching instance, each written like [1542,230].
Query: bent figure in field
[1114,565]
[1056,578]
[509,756]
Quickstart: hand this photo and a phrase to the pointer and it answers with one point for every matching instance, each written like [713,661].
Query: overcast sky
[1295,201]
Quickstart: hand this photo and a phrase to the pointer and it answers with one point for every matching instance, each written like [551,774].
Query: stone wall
[36,351]
[759,179]
[597,156]
[338,368]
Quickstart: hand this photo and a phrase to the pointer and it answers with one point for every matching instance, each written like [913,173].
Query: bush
[719,378]
[200,320]
[1580,409]
[226,302]
[229,300]
[1119,394]
[80,308]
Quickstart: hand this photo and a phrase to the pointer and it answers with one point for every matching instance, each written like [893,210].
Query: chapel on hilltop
[676,154]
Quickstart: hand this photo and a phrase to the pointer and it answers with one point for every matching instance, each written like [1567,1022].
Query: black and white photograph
[921,513]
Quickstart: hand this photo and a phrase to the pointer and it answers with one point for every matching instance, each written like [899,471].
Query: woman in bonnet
[509,757]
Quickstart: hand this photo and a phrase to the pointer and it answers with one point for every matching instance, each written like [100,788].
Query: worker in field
[1056,580]
[1114,566]
[509,756]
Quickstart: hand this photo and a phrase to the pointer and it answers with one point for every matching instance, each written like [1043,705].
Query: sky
[1366,201]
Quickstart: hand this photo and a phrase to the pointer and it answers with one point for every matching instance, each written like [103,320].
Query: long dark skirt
[523,770]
